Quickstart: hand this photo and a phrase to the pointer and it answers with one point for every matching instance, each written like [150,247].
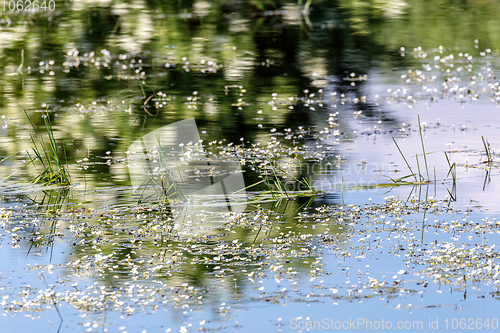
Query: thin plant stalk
[342,189]
[423,147]
[435,182]
[404,158]
[265,179]
[418,168]
[487,150]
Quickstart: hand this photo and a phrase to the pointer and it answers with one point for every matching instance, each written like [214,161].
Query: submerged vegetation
[271,268]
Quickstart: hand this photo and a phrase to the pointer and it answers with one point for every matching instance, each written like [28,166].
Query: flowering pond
[280,167]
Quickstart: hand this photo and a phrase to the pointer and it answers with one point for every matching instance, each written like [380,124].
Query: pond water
[357,141]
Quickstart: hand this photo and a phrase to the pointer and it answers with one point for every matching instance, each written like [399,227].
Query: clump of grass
[53,170]
[421,179]
[264,172]
[167,190]
[407,164]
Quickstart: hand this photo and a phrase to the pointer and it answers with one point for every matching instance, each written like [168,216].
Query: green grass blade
[404,158]
[487,150]
[423,147]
